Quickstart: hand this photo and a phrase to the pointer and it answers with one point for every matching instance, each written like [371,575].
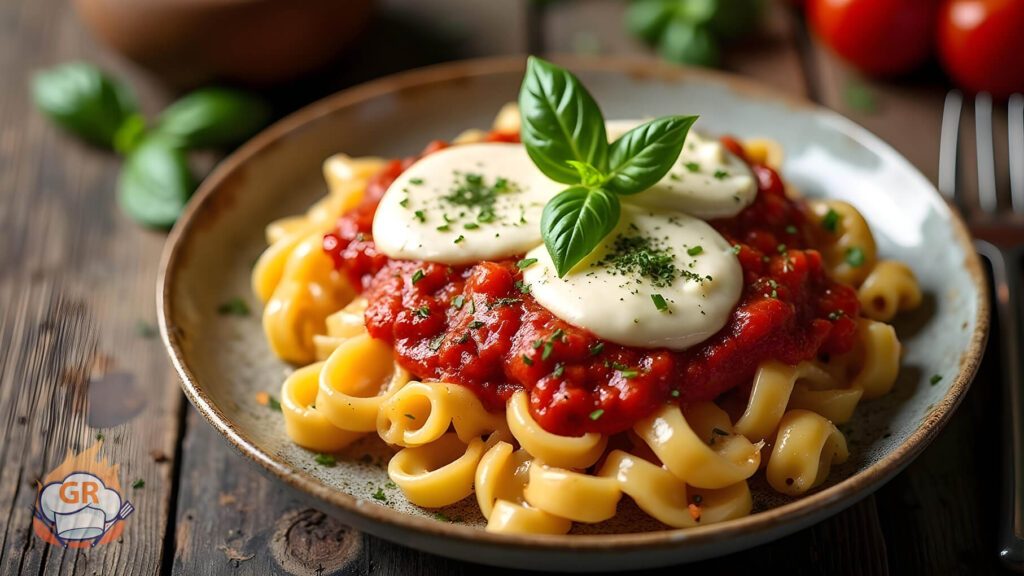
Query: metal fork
[1001,242]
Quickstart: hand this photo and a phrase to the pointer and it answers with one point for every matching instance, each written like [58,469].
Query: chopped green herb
[659,302]
[831,220]
[422,311]
[273,404]
[416,181]
[526,262]
[537,344]
[460,238]
[644,257]
[458,301]
[475,324]
[692,166]
[527,360]
[935,379]
[693,251]
[597,349]
[463,339]
[390,485]
[441,517]
[404,202]
[420,216]
[436,341]
[324,460]
[559,370]
[523,287]
[145,329]
[443,228]
[234,307]
[502,302]
[674,393]
[410,416]
[629,373]
[781,248]
[379,495]
[835,315]
[596,414]
[736,249]
[417,276]
[855,256]
[721,174]
[791,229]
[548,347]
[472,226]
[138,484]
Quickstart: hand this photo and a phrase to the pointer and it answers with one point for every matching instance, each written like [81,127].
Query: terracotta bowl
[190,42]
[224,361]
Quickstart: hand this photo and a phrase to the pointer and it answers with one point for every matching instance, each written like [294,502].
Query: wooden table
[77,295]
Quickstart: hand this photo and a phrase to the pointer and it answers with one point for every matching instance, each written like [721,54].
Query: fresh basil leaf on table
[575,221]
[560,122]
[213,117]
[83,100]
[642,156]
[647,19]
[564,134]
[155,182]
[684,42]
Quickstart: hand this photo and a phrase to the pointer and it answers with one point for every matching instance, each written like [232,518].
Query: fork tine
[987,199]
[1015,120]
[948,145]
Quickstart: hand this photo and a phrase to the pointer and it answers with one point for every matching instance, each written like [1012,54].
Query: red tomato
[981,44]
[879,37]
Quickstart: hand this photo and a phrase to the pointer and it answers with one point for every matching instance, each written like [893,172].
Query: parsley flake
[855,256]
[596,414]
[324,460]
[659,302]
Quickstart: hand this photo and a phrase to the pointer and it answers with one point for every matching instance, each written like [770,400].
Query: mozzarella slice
[660,279]
[707,181]
[450,206]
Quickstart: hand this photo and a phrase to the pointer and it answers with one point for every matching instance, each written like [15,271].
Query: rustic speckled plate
[224,361]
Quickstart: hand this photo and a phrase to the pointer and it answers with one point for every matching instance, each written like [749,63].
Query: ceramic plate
[224,360]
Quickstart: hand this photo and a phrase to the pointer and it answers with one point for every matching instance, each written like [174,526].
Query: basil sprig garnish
[155,180]
[564,134]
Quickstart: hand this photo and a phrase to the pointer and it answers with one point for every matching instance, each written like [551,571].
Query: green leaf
[699,11]
[155,183]
[560,122]
[686,43]
[213,117]
[83,100]
[646,19]
[642,156]
[575,221]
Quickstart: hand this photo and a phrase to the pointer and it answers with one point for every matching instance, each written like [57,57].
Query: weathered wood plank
[75,280]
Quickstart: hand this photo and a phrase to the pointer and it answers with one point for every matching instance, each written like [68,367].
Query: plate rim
[817,504]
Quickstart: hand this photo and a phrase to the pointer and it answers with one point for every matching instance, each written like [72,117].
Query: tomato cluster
[978,42]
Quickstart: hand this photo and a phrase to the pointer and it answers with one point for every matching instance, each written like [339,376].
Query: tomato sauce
[479,327]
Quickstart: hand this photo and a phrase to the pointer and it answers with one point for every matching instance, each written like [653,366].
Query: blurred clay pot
[256,42]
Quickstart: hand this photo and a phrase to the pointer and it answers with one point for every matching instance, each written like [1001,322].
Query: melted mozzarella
[433,210]
[707,181]
[617,301]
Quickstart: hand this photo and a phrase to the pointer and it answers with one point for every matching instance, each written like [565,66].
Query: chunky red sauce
[474,325]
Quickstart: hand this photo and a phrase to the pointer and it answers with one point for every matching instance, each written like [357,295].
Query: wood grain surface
[78,360]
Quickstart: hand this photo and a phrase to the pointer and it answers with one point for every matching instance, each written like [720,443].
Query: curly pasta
[684,465]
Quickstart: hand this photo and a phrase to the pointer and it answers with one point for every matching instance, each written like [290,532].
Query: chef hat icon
[79,507]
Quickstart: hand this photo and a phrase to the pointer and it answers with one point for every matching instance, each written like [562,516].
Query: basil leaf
[560,122]
[213,117]
[687,43]
[575,221]
[155,182]
[83,100]
[646,19]
[645,154]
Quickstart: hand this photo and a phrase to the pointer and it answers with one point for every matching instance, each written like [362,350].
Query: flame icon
[79,503]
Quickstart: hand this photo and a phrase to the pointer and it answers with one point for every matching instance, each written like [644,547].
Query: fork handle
[1006,273]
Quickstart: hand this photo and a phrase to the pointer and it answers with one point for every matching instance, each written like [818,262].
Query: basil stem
[575,221]
[560,122]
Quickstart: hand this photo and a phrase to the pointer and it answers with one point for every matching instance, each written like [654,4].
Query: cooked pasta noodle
[684,464]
